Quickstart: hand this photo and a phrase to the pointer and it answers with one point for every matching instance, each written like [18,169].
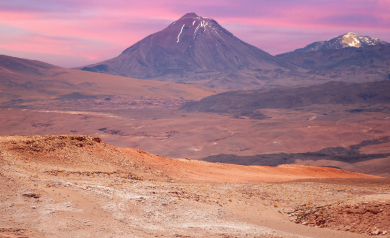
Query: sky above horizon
[71,33]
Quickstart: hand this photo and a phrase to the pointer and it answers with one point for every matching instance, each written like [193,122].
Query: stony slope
[73,186]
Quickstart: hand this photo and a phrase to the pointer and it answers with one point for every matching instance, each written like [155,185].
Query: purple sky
[72,33]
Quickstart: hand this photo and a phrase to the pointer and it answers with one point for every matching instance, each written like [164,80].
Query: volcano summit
[192,48]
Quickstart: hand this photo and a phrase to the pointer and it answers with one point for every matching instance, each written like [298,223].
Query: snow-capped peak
[350,39]
[191,25]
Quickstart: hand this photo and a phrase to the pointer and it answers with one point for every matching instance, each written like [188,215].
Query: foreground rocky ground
[78,186]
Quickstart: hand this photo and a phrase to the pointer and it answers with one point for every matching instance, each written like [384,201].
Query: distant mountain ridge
[350,39]
[349,58]
[197,50]
[357,59]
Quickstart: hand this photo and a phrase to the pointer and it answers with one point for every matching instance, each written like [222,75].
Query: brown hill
[24,82]
[69,154]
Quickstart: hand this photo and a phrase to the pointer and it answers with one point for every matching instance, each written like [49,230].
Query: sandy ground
[78,186]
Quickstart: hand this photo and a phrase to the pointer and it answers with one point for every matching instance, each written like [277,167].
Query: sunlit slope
[27,81]
[89,155]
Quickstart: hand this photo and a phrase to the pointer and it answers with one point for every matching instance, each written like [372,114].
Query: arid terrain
[79,186]
[241,127]
[198,135]
[57,183]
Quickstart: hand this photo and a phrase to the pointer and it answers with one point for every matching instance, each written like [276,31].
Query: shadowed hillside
[245,103]
[349,158]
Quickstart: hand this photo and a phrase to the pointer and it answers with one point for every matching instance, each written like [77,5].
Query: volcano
[191,48]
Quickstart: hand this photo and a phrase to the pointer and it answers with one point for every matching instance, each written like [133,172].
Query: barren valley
[179,134]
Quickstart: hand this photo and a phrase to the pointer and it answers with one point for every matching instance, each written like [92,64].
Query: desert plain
[85,154]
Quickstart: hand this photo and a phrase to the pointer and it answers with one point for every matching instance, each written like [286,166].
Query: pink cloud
[97,29]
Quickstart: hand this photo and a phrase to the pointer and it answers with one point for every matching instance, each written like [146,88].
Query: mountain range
[197,50]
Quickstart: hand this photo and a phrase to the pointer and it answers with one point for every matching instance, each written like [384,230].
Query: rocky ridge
[370,218]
